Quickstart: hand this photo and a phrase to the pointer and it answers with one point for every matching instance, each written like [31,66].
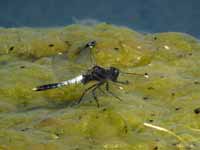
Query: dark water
[142,15]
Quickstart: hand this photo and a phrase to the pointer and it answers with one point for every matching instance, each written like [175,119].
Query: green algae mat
[161,112]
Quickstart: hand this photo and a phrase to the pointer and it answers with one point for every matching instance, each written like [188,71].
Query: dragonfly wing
[65,69]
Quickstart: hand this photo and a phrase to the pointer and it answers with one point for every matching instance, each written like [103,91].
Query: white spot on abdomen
[75,80]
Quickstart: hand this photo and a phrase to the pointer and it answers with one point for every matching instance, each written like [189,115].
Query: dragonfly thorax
[98,73]
[113,73]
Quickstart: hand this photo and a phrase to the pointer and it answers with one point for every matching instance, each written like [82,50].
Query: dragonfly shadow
[50,105]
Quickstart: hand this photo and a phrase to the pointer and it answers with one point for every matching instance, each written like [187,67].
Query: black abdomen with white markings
[75,80]
[46,87]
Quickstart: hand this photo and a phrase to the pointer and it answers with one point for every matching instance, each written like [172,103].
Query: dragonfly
[97,73]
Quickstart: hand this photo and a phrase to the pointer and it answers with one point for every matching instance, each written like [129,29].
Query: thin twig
[164,130]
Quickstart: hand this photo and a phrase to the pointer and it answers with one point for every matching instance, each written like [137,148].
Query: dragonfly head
[91,44]
[114,73]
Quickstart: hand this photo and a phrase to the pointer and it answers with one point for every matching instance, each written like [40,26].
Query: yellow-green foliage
[45,121]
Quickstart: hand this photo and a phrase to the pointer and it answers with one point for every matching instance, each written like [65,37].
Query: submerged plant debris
[158,113]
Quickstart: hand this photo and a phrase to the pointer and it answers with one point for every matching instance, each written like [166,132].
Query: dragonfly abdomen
[47,87]
[75,80]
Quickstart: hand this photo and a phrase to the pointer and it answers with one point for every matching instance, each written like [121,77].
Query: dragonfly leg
[84,92]
[93,88]
[102,91]
[108,90]
[94,94]
[95,97]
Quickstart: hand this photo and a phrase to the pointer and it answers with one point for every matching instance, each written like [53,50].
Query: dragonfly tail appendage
[47,87]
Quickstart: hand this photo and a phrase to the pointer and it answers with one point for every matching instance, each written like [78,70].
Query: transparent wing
[83,60]
[65,69]
[84,55]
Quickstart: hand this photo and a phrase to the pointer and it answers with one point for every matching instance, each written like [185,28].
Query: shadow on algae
[158,113]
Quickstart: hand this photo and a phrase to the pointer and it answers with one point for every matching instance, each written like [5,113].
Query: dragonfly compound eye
[91,44]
